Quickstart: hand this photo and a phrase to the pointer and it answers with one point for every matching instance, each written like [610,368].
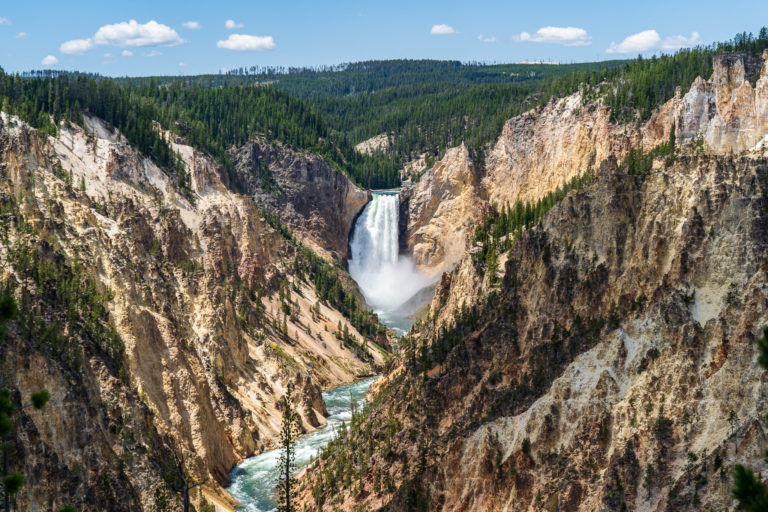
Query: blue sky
[100,37]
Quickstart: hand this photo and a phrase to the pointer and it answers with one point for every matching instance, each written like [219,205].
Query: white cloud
[49,60]
[21,35]
[136,35]
[231,25]
[183,64]
[679,41]
[481,37]
[246,43]
[566,36]
[4,21]
[127,53]
[191,25]
[442,29]
[636,43]
[152,53]
[123,34]
[108,55]
[650,40]
[77,46]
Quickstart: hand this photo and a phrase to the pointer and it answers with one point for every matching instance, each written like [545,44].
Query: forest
[633,90]
[429,105]
[213,120]
[426,106]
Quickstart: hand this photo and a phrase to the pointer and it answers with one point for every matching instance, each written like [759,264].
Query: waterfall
[386,278]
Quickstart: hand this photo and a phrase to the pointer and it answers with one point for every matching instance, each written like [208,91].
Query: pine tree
[287,462]
[178,479]
[12,482]
[749,490]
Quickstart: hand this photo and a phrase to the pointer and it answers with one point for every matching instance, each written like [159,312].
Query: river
[254,481]
[388,280]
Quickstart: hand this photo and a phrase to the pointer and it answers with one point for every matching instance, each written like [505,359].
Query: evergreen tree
[178,479]
[287,462]
[12,482]
[749,490]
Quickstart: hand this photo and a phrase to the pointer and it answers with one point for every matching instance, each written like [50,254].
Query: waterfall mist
[386,278]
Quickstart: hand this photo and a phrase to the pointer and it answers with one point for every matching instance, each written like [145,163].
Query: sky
[165,37]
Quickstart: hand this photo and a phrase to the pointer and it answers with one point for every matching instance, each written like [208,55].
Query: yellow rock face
[205,364]
[442,209]
[543,149]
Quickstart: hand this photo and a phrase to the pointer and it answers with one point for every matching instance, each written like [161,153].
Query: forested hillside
[426,105]
[214,120]
[374,75]
[640,85]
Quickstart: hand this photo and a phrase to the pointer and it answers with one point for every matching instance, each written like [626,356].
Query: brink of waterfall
[386,278]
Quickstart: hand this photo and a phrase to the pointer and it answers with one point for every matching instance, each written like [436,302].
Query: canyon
[209,313]
[609,362]
[600,358]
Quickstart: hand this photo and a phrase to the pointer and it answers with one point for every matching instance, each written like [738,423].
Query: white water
[386,278]
[255,480]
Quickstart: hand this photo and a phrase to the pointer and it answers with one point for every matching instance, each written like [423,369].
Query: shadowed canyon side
[606,359]
[317,202]
[156,321]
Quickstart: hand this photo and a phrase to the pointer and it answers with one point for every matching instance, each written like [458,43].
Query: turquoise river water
[387,279]
[254,481]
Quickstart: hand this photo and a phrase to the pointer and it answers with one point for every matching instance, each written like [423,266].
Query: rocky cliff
[441,210]
[376,144]
[537,152]
[725,114]
[316,201]
[156,320]
[545,148]
[610,363]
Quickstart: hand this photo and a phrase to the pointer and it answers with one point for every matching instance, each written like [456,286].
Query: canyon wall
[157,320]
[723,115]
[610,362]
[546,147]
[318,203]
[612,366]
[440,211]
[537,152]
